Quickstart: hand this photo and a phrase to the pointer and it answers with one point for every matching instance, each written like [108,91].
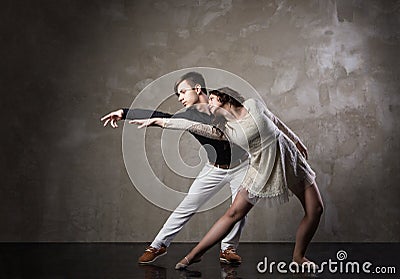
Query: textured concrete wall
[329,69]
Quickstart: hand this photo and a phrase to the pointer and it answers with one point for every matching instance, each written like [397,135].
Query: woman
[277,165]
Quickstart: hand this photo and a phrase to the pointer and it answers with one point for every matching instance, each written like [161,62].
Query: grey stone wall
[329,69]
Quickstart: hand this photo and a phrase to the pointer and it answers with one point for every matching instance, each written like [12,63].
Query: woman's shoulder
[254,104]
[249,102]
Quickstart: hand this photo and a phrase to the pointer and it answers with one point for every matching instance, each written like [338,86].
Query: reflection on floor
[260,260]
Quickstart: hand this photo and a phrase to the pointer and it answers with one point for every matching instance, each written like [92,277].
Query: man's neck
[203,99]
[202,104]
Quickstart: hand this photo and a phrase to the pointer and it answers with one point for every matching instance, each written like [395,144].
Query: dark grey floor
[118,260]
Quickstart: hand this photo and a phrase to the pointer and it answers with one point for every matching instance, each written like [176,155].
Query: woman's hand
[148,122]
[303,149]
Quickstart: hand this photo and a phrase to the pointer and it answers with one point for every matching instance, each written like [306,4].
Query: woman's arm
[287,131]
[281,126]
[201,129]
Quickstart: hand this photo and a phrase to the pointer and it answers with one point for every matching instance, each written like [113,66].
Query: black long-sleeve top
[218,151]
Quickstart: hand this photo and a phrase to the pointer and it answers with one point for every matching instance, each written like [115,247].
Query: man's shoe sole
[225,261]
[153,260]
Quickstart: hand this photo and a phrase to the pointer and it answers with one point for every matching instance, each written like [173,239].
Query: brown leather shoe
[229,256]
[151,254]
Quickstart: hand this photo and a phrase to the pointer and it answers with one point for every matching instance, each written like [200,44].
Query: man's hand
[147,122]
[112,118]
[303,149]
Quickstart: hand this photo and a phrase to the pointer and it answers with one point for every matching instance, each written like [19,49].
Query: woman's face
[215,104]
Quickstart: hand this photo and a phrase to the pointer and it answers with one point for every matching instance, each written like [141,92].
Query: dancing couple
[276,167]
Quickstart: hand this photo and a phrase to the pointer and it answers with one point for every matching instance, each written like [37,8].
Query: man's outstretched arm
[113,117]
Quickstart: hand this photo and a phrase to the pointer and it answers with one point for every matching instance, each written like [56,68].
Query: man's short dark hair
[193,78]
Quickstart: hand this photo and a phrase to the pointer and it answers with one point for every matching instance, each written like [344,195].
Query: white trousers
[209,181]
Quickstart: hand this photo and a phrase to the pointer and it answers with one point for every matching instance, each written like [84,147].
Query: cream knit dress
[276,165]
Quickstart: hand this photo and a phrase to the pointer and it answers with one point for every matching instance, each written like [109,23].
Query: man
[227,164]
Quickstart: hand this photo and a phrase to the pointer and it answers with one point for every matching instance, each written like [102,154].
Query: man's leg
[209,181]
[240,207]
[230,243]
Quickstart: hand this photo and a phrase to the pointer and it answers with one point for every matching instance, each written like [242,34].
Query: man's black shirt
[218,151]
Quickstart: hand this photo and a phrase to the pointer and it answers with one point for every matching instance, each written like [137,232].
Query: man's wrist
[124,113]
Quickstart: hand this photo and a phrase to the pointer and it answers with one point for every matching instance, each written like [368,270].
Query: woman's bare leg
[313,208]
[239,208]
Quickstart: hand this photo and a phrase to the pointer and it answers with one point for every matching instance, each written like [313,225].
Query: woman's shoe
[181,265]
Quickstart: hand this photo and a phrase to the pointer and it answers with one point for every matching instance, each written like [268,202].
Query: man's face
[188,95]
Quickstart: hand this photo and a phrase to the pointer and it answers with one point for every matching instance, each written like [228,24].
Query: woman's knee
[233,214]
[315,210]
[319,208]
[313,201]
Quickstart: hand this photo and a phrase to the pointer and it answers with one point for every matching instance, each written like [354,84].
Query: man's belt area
[233,164]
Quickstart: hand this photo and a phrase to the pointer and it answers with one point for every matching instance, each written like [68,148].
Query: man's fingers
[105,117]
[114,123]
[106,122]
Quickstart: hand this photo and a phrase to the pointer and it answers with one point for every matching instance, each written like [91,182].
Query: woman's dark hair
[193,78]
[226,95]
